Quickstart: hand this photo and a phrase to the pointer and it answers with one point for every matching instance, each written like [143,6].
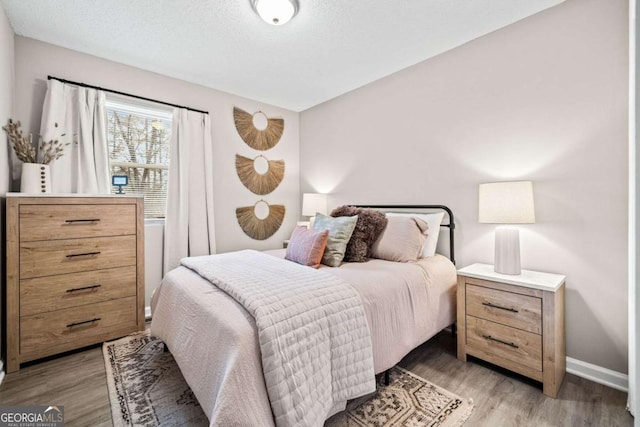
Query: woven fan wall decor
[256,138]
[256,228]
[255,181]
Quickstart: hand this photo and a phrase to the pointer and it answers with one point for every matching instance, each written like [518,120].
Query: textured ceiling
[330,47]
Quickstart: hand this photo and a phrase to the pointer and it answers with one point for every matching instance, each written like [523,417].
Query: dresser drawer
[46,222]
[520,347]
[43,294]
[61,330]
[46,258]
[507,308]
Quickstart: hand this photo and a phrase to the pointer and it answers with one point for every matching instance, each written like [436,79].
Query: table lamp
[313,203]
[506,203]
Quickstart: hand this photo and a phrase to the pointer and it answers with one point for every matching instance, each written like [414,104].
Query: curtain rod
[124,93]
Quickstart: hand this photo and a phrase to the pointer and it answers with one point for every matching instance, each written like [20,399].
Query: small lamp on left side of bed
[506,203]
[313,203]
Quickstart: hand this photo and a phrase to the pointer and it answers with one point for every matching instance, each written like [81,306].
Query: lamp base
[507,251]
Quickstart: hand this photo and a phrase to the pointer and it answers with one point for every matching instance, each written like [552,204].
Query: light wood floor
[78,382]
[505,399]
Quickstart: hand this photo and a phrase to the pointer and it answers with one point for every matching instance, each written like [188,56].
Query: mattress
[214,341]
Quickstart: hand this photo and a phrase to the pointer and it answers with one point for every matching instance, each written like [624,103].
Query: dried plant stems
[22,145]
[255,138]
[25,149]
[260,229]
[259,183]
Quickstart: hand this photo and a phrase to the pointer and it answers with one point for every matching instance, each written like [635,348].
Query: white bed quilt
[312,329]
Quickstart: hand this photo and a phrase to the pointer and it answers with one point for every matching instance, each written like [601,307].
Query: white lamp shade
[506,203]
[314,202]
[276,12]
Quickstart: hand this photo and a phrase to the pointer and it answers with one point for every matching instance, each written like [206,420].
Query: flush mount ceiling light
[275,12]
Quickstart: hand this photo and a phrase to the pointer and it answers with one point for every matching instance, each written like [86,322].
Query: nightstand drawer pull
[84,288]
[95,319]
[84,254]
[488,304]
[490,338]
[69,221]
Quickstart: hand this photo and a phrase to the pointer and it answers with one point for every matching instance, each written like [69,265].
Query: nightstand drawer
[47,222]
[47,258]
[520,347]
[507,308]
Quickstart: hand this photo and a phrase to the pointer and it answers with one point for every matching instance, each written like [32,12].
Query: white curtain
[79,113]
[189,223]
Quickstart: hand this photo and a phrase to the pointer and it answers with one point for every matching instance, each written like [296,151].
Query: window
[138,136]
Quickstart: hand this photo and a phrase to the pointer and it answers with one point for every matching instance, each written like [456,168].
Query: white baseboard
[598,374]
[147,312]
[1,371]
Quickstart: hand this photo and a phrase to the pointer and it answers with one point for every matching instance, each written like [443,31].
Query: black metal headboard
[451,225]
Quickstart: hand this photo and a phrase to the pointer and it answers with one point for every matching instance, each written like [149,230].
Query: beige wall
[34,60]
[6,93]
[6,111]
[634,210]
[544,99]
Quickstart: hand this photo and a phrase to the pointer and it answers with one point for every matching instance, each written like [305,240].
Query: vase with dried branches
[36,176]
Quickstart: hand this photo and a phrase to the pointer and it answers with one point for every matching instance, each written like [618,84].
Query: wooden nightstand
[516,322]
[285,244]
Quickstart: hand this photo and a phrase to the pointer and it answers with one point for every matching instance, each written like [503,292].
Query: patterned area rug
[408,400]
[146,388]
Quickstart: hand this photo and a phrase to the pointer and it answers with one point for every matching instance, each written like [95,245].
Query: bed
[214,339]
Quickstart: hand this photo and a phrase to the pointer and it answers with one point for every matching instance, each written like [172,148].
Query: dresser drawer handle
[488,304]
[490,338]
[84,254]
[95,319]
[85,288]
[70,221]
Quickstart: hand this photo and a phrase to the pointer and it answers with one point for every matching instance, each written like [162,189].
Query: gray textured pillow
[368,228]
[401,240]
[340,231]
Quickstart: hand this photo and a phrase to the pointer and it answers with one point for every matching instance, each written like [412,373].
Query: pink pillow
[307,246]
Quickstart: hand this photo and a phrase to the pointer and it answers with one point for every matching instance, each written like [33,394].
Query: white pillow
[402,239]
[434,220]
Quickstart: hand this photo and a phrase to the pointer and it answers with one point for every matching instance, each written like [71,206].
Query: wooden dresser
[75,272]
[516,322]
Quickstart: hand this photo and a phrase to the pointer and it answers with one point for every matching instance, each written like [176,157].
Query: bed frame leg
[386,377]
[453,330]
[165,348]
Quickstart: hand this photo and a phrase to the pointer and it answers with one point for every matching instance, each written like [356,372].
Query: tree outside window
[138,139]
